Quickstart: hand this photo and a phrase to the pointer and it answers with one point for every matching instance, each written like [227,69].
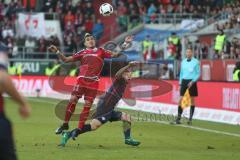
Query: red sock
[69,111]
[83,116]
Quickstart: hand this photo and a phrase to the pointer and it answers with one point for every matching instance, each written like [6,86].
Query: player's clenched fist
[134,63]
[53,48]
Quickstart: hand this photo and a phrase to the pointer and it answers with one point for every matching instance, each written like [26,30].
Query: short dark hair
[189,47]
[87,35]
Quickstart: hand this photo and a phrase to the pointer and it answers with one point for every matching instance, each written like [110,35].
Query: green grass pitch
[36,140]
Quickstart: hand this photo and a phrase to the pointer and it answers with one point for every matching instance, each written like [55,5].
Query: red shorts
[87,88]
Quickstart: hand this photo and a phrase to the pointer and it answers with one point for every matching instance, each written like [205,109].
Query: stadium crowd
[78,17]
[233,13]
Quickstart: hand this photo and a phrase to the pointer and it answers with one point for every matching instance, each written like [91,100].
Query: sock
[83,116]
[127,129]
[86,128]
[191,112]
[69,111]
[179,112]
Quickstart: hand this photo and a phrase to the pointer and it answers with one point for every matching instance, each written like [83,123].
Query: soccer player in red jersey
[105,110]
[91,63]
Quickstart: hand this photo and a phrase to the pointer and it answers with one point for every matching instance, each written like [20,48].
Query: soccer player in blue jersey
[189,74]
[105,109]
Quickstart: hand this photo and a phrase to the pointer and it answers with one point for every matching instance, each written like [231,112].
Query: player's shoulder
[80,52]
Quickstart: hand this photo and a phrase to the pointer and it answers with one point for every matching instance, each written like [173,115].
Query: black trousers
[7,147]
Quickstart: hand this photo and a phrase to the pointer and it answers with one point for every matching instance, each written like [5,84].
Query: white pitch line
[166,123]
[198,128]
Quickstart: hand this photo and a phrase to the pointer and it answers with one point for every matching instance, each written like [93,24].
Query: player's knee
[88,103]
[74,99]
[95,124]
[126,117]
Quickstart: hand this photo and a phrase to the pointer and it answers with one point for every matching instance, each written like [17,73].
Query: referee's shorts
[7,148]
[193,91]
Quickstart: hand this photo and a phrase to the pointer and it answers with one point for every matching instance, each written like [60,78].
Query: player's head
[127,75]
[89,41]
[189,53]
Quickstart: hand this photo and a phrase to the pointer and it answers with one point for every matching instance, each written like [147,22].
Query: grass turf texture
[35,139]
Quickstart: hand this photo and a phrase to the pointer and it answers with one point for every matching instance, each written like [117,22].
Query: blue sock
[86,128]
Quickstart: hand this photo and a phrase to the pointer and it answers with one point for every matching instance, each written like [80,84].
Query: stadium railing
[173,18]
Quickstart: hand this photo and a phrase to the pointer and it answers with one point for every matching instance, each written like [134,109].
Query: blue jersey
[108,101]
[190,70]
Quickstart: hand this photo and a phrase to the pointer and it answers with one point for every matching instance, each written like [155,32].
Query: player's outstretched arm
[9,88]
[124,69]
[125,45]
[61,56]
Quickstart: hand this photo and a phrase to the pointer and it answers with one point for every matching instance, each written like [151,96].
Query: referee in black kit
[7,148]
[189,74]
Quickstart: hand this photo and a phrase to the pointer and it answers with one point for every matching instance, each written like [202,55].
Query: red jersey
[91,62]
[1,104]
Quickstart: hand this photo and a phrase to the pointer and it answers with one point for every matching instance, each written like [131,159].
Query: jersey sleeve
[106,53]
[78,55]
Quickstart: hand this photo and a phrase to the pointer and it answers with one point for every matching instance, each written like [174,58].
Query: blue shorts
[105,112]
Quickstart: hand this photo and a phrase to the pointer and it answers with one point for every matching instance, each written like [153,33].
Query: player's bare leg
[69,111]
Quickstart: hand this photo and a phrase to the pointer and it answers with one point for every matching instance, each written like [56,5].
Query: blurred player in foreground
[91,64]
[7,148]
[105,109]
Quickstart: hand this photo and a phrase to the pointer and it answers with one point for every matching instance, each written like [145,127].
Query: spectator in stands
[7,32]
[122,17]
[29,4]
[146,48]
[89,10]
[172,51]
[98,29]
[10,45]
[70,44]
[151,10]
[220,41]
[134,19]
[200,49]
[30,45]
[79,22]
[89,25]
[175,40]
[166,72]
[69,19]
[235,48]
[15,53]
[42,45]
[151,14]
[236,72]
